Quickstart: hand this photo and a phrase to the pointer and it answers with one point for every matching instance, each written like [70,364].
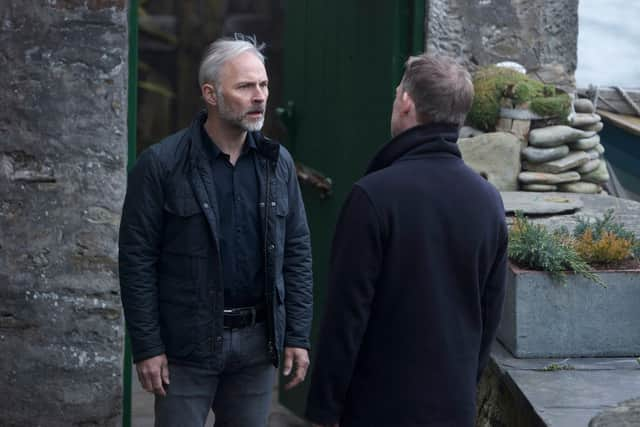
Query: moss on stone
[554,106]
[492,84]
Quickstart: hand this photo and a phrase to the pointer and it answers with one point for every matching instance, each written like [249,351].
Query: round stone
[590,166]
[595,128]
[583,105]
[585,143]
[600,175]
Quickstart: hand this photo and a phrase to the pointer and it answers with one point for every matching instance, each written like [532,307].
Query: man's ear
[407,105]
[209,94]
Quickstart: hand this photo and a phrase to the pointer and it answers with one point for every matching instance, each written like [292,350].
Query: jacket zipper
[268,294]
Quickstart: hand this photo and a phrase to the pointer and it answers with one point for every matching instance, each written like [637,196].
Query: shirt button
[206,205]
[273,203]
[218,339]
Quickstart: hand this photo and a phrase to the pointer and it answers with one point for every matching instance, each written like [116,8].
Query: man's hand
[153,373]
[298,357]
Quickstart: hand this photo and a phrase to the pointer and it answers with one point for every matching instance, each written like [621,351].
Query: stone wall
[539,34]
[63,144]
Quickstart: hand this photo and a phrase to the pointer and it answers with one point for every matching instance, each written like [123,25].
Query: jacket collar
[417,141]
[264,146]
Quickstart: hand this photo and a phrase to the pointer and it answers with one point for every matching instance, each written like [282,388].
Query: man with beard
[417,273]
[215,258]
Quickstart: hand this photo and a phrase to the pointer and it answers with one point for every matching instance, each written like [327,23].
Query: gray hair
[221,50]
[441,88]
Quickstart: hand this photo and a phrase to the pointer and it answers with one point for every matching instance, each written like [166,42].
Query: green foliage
[553,106]
[491,84]
[533,246]
[604,240]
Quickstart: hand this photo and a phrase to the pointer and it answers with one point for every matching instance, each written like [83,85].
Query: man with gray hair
[215,257]
[417,272]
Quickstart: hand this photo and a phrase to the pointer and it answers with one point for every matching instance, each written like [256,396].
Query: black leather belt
[242,317]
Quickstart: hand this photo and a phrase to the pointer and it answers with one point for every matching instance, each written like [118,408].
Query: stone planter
[542,318]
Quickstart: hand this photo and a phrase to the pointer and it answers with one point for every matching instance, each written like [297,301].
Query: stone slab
[570,396]
[593,206]
[541,155]
[539,187]
[573,160]
[552,136]
[581,120]
[543,318]
[548,178]
[580,187]
[539,204]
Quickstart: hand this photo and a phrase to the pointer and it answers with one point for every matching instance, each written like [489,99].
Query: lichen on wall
[62,181]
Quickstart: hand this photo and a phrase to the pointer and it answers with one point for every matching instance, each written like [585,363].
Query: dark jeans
[239,394]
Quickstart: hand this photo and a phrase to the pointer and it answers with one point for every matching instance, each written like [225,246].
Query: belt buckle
[242,312]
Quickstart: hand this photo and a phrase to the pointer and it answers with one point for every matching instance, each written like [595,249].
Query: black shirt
[237,194]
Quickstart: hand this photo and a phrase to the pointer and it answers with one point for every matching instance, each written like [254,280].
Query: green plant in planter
[492,83]
[534,247]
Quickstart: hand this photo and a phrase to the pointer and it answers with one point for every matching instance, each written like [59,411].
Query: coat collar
[418,140]
[266,147]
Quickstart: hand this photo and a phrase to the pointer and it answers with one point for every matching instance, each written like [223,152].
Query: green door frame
[132,115]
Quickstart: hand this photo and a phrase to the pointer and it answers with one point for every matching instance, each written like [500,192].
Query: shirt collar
[214,151]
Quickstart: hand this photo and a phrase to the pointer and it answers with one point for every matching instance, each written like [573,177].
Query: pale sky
[609,43]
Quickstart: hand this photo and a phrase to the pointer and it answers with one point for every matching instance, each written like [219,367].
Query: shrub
[608,249]
[605,241]
[533,246]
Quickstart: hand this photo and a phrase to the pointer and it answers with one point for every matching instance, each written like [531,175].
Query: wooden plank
[628,123]
[611,99]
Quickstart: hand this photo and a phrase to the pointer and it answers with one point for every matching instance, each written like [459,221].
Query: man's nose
[259,95]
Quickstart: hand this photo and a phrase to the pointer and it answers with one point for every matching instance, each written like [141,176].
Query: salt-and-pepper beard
[240,119]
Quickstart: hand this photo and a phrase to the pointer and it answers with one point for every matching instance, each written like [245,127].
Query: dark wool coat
[416,288]
[170,269]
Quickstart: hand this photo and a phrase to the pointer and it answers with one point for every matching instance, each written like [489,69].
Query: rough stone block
[495,156]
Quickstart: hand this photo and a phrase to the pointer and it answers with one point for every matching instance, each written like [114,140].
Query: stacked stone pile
[566,158]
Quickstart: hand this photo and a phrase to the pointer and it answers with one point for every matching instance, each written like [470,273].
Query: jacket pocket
[186,230]
[177,306]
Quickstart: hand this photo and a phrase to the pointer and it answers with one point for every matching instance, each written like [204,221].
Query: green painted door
[343,60]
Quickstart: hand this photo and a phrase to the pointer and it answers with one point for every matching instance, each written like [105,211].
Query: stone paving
[570,392]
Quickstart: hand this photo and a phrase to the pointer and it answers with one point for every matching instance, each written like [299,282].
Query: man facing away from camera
[215,258]
[417,273]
